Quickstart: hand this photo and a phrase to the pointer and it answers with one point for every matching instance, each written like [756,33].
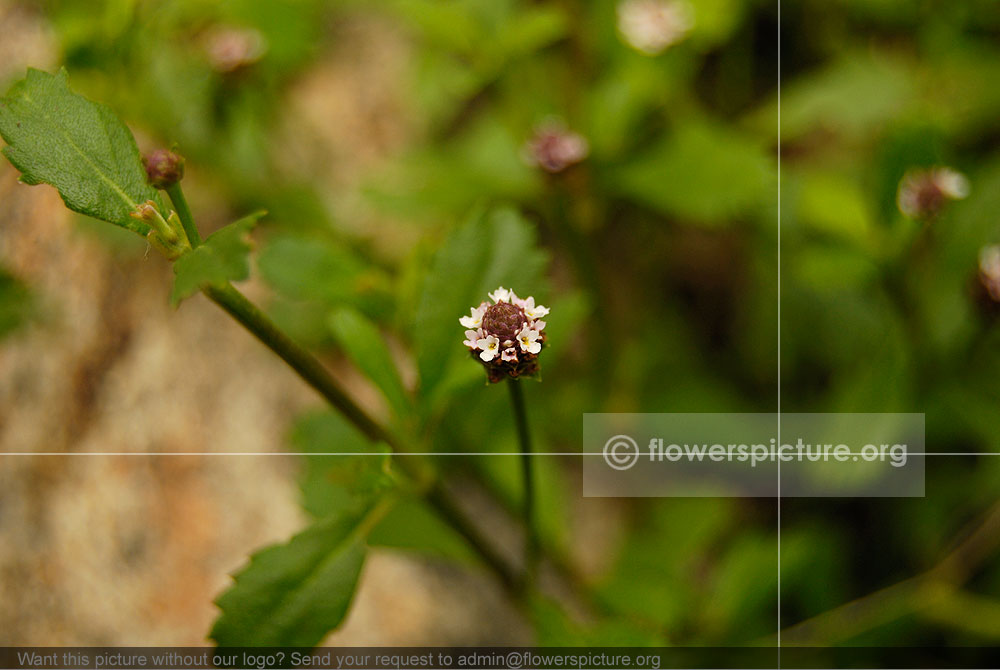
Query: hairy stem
[527,476]
[184,212]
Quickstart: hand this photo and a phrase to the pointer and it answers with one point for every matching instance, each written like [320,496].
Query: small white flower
[490,346]
[472,338]
[528,339]
[509,354]
[475,318]
[500,295]
[953,184]
[538,325]
[533,311]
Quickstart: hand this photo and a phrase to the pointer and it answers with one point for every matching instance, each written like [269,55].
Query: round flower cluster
[506,335]
[923,193]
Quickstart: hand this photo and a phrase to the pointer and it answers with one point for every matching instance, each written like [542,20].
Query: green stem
[304,363]
[527,476]
[184,212]
[312,371]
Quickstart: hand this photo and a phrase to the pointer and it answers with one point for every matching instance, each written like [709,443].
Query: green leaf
[60,138]
[702,172]
[293,594]
[333,483]
[314,268]
[493,248]
[221,259]
[365,346]
[413,525]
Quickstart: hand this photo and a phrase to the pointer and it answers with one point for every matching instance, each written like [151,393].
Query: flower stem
[184,212]
[527,476]
[312,371]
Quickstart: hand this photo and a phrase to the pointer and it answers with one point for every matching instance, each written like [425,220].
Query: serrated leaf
[80,147]
[222,258]
[493,248]
[293,594]
[365,346]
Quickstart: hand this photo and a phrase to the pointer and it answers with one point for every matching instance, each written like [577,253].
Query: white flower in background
[509,335]
[924,192]
[989,270]
[489,344]
[554,148]
[230,48]
[475,318]
[651,26]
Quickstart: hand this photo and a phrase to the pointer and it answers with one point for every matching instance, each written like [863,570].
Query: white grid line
[779,330]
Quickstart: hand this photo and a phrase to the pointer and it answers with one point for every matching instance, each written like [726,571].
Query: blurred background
[634,146]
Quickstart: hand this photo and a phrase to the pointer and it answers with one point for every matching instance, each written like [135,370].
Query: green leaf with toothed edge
[293,594]
[82,148]
[222,258]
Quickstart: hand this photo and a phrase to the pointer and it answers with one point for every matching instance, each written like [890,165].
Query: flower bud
[163,168]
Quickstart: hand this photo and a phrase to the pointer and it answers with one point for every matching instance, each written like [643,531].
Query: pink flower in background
[554,148]
[924,192]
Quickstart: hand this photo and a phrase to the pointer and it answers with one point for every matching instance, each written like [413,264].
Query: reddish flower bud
[163,168]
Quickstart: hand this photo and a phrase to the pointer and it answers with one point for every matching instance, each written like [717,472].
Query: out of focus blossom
[229,49]
[554,148]
[989,270]
[651,26]
[923,193]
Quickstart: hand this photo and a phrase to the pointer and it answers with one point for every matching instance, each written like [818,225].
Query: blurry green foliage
[658,254]
[17,303]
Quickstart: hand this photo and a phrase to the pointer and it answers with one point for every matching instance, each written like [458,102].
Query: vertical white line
[779,331]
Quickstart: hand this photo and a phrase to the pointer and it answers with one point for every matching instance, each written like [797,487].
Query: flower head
[923,193]
[651,26]
[554,148]
[164,168]
[506,334]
